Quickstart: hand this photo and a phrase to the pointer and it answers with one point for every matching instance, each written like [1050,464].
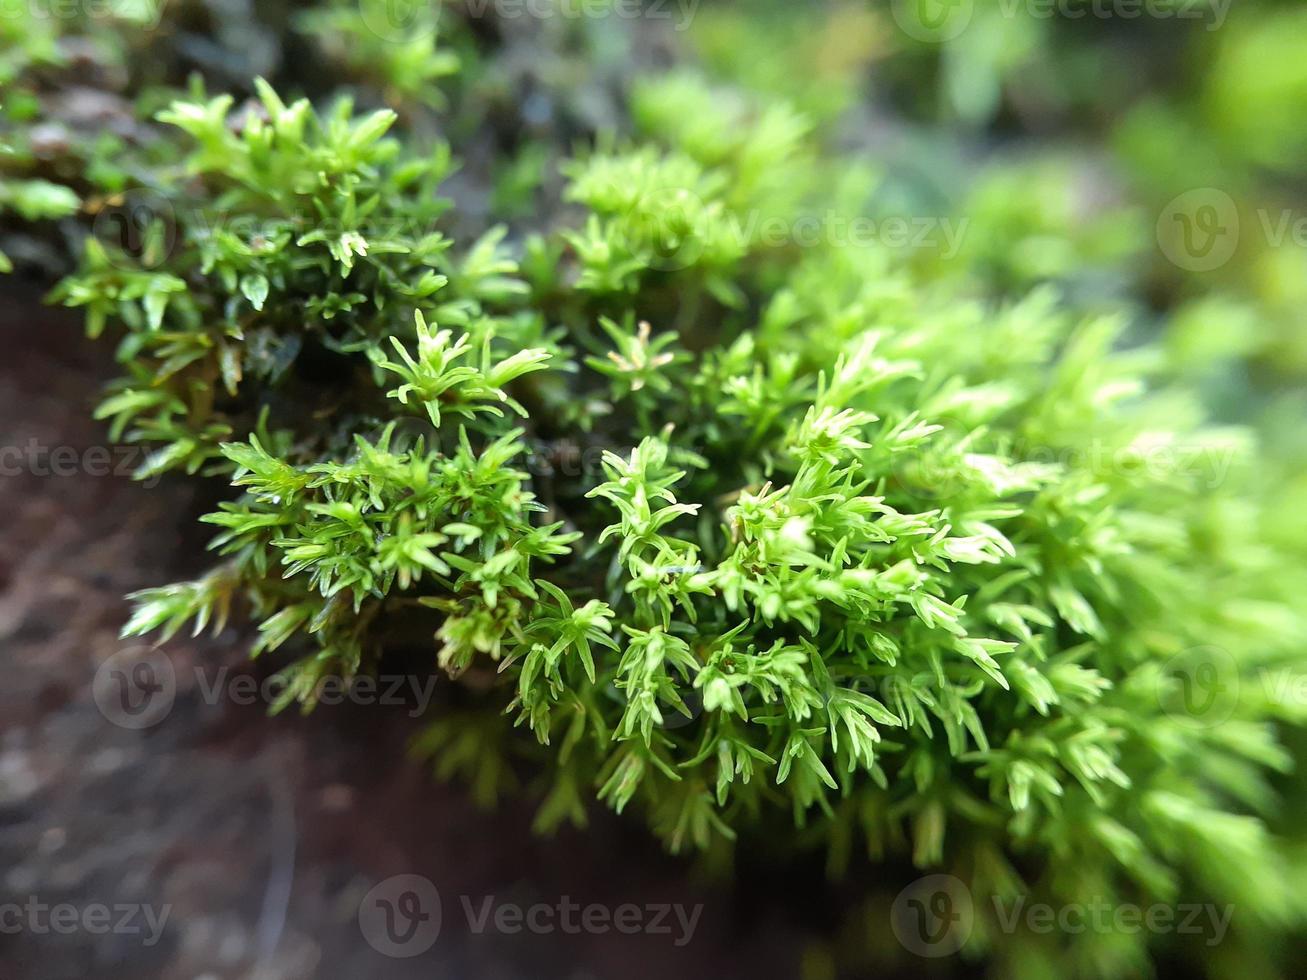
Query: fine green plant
[754,537]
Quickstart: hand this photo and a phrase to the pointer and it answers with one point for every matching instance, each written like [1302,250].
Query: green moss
[839,549]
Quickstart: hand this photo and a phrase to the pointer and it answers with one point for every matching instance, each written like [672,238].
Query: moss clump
[759,527]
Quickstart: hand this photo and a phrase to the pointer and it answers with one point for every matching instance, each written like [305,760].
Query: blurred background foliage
[1060,137]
